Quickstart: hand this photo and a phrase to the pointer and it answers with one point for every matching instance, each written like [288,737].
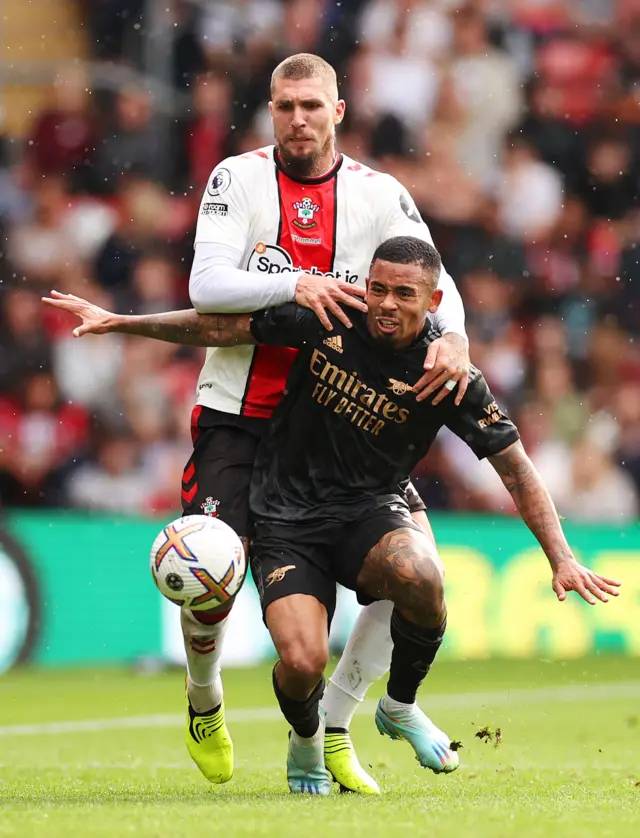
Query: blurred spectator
[593,487]
[549,131]
[113,24]
[302,24]
[556,391]
[391,79]
[444,190]
[629,48]
[580,71]
[40,438]
[626,411]
[62,230]
[65,136]
[487,87]
[115,481]
[39,248]
[132,143]
[425,24]
[188,55]
[166,446]
[207,136]
[613,360]
[242,29]
[557,260]
[625,305]
[529,193]
[88,369]
[144,210]
[610,189]
[15,202]
[549,454]
[154,285]
[476,484]
[484,246]
[24,348]
[497,340]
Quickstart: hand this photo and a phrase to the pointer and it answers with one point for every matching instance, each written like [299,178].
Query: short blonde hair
[305,65]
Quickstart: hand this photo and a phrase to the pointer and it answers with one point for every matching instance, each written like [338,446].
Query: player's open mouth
[387,325]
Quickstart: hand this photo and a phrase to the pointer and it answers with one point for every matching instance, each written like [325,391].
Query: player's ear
[366,283]
[339,112]
[271,107]
[436,299]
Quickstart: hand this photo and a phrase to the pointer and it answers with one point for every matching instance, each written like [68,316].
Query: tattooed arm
[534,503]
[537,510]
[183,327]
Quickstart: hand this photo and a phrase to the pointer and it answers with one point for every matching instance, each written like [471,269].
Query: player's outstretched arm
[217,285]
[183,327]
[537,509]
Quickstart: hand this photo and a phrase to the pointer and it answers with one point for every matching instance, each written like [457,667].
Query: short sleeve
[225,208]
[402,217]
[479,420]
[287,325]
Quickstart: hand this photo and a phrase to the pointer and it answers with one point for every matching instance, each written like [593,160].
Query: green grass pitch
[568,763]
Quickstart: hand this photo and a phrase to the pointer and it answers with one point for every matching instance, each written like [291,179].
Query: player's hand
[95,320]
[571,576]
[323,294]
[447,361]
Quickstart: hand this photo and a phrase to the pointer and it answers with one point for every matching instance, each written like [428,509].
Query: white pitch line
[477,768]
[247,715]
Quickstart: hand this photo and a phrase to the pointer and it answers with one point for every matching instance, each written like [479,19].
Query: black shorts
[217,476]
[311,559]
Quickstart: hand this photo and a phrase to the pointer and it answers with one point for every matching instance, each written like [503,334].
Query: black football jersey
[349,429]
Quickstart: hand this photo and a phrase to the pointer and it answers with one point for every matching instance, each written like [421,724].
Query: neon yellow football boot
[342,762]
[209,743]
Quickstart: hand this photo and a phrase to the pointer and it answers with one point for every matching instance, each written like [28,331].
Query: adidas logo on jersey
[334,343]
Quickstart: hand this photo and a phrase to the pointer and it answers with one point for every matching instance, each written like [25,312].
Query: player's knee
[423,597]
[436,589]
[303,660]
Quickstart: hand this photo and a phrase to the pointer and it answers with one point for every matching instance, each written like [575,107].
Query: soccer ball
[198,562]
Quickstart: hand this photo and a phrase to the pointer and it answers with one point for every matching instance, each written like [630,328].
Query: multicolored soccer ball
[198,561]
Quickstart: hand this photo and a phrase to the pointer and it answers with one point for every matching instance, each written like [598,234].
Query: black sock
[303,715]
[414,650]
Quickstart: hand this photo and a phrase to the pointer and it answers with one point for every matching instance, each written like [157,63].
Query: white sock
[309,750]
[366,657]
[203,646]
[390,705]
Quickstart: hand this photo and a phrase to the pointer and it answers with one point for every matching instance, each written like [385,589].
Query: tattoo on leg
[400,568]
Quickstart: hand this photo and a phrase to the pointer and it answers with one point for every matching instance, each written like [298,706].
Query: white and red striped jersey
[329,225]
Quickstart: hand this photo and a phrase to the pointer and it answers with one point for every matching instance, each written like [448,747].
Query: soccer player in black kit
[326,493]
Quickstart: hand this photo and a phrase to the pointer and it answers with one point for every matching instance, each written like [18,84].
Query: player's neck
[320,168]
[324,166]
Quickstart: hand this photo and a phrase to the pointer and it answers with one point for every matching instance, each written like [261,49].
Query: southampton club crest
[210,507]
[306,210]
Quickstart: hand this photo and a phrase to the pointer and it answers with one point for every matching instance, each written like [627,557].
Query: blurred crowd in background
[515,124]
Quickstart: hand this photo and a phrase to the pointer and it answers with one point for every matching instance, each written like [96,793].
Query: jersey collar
[309,180]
